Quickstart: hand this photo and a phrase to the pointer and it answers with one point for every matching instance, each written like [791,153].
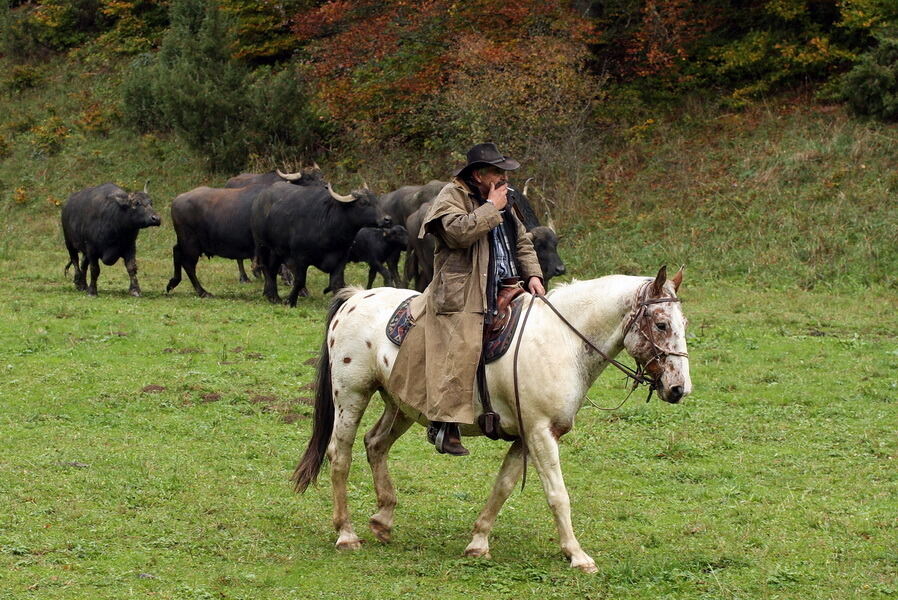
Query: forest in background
[760,130]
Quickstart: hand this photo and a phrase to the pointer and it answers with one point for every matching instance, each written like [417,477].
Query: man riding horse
[483,254]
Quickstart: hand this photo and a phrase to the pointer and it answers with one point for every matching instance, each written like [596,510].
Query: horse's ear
[658,284]
[677,279]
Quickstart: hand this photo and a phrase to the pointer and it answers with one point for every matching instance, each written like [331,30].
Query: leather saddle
[497,336]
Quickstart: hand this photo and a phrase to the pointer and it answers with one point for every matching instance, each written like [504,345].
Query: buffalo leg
[392,264]
[337,281]
[242,271]
[373,269]
[94,275]
[190,269]
[299,283]
[80,273]
[270,264]
[176,276]
[131,267]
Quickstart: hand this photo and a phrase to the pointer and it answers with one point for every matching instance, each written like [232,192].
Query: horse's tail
[65,271]
[307,470]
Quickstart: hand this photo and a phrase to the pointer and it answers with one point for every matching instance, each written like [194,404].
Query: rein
[638,375]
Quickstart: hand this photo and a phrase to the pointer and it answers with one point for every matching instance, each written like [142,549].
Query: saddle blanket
[495,343]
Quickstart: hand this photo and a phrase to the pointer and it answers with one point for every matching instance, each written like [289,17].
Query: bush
[220,108]
[22,77]
[141,97]
[871,87]
[49,137]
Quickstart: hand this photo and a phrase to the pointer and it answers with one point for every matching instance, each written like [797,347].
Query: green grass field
[147,445]
[147,442]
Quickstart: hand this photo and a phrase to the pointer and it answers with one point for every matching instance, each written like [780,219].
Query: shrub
[141,97]
[22,77]
[5,147]
[220,108]
[871,87]
[49,137]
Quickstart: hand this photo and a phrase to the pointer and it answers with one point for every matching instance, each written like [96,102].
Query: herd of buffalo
[277,220]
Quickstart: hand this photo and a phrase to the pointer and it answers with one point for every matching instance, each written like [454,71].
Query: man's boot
[446,437]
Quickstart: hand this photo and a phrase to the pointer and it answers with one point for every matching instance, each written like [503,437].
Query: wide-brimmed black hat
[488,154]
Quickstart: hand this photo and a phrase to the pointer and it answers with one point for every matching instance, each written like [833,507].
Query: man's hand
[535,285]
[497,195]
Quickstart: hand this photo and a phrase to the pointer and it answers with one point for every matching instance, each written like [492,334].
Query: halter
[639,312]
[638,375]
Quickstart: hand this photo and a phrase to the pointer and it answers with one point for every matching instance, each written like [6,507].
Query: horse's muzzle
[674,394]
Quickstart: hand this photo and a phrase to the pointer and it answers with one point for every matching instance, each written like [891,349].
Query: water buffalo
[309,226]
[306,176]
[419,260]
[401,203]
[102,223]
[380,247]
[214,222]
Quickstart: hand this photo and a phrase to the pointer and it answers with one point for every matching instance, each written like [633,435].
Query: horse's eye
[662,326]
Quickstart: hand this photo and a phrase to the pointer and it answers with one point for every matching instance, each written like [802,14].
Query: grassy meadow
[147,442]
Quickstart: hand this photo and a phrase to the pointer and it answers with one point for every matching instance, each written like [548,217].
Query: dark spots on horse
[332,342]
[386,362]
[559,429]
[347,360]
[334,324]
[368,343]
[336,393]
[368,295]
[351,309]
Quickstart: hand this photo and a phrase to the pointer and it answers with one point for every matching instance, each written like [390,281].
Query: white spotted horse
[566,342]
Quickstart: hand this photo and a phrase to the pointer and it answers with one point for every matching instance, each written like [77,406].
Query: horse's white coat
[555,371]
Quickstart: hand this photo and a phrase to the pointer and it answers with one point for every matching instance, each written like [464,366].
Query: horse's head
[656,336]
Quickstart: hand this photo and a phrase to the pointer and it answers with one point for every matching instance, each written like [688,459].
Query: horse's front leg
[543,449]
[389,428]
[508,476]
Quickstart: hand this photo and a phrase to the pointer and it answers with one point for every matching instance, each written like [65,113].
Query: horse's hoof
[586,567]
[349,545]
[381,531]
[478,553]
[135,293]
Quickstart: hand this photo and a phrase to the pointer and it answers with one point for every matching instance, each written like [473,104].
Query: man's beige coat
[436,367]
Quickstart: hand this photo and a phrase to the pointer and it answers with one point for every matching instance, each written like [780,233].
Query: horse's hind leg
[350,407]
[508,476]
[389,428]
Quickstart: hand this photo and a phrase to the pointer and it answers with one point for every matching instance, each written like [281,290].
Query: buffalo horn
[338,197]
[289,176]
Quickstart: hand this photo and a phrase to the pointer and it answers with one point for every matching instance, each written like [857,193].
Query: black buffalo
[306,176]
[380,247]
[102,223]
[419,260]
[309,226]
[401,203]
[214,222]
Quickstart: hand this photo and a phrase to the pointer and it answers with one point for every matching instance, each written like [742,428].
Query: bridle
[658,353]
[639,375]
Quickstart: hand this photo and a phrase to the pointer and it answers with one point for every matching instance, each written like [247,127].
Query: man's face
[490,175]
